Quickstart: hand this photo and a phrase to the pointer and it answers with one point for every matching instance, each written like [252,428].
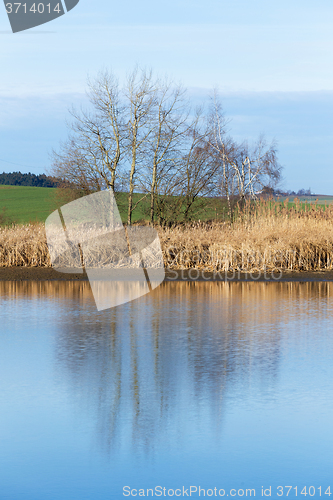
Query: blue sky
[271,62]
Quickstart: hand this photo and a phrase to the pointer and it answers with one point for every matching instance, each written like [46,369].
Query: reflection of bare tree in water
[155,365]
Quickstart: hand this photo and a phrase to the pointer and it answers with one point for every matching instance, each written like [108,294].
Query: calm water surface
[218,385]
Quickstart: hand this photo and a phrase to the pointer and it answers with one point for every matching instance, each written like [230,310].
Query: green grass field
[23,204]
[205,208]
[319,199]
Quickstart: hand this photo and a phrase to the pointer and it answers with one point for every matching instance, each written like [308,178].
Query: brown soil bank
[36,274]
[47,274]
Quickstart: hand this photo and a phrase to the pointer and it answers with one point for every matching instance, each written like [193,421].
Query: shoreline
[193,274]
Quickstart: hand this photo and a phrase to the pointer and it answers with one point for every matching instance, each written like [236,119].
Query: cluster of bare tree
[144,137]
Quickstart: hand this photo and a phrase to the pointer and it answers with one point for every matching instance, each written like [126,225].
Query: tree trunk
[131,187]
[152,195]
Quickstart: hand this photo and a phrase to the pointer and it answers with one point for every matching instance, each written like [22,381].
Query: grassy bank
[265,235]
[25,204]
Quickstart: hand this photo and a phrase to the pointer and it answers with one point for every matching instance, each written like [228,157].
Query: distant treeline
[279,192]
[19,179]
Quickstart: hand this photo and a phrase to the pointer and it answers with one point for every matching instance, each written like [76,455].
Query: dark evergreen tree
[19,179]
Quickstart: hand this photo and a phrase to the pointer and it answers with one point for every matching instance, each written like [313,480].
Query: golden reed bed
[264,236]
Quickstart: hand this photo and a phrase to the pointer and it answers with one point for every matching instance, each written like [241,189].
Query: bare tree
[198,167]
[222,148]
[243,170]
[95,149]
[164,147]
[141,94]
[145,138]
[189,175]
[71,166]
[109,127]
[256,167]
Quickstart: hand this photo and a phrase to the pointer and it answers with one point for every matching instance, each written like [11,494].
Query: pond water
[223,386]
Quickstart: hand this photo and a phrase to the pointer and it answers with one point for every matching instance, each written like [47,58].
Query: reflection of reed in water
[113,290]
[104,291]
[176,357]
[77,292]
[249,292]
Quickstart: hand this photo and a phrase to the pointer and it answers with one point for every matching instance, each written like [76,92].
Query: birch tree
[95,147]
[243,170]
[141,94]
[198,167]
[165,143]
[189,175]
[144,138]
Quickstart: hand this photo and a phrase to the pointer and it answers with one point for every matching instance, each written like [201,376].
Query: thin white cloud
[236,57]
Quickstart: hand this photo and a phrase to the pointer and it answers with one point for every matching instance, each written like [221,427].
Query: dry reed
[264,236]
[24,245]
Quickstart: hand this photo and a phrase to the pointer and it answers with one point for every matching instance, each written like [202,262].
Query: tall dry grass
[264,236]
[24,245]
